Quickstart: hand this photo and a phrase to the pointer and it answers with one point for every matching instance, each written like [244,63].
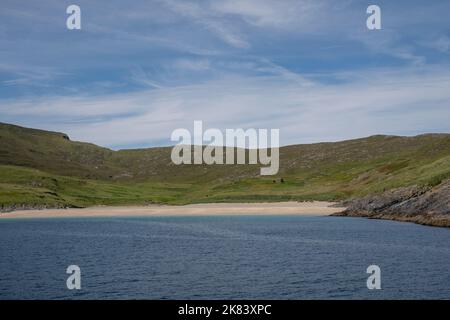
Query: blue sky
[138,70]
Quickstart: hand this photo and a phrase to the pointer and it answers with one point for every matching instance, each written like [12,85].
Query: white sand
[316,208]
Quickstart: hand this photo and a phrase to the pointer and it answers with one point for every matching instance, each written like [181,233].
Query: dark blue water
[264,257]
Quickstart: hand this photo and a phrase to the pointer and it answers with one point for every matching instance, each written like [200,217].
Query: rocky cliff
[424,205]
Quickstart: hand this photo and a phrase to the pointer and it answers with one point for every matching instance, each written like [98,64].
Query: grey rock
[424,205]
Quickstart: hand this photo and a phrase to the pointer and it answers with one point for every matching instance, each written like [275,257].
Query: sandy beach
[316,208]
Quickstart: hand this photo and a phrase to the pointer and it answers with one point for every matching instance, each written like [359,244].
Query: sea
[222,257]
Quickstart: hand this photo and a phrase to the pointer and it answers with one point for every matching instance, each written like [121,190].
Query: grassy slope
[45,168]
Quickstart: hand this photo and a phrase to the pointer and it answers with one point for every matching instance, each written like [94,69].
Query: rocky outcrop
[14,207]
[424,205]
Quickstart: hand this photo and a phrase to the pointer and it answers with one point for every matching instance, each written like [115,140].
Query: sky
[137,70]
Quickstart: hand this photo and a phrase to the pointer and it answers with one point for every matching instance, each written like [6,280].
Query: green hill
[41,168]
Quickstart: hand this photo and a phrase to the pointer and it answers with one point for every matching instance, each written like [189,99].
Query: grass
[45,168]
[30,186]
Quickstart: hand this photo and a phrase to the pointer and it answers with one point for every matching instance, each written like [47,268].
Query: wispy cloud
[380,101]
[205,16]
[441,43]
[138,70]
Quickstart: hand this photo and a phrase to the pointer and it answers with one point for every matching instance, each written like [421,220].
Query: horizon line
[204,145]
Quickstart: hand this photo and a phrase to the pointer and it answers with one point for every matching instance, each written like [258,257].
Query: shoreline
[440,221]
[313,208]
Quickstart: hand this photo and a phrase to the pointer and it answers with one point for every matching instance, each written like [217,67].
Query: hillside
[40,168]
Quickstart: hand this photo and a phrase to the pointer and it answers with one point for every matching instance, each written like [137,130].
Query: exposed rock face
[430,206]
[13,207]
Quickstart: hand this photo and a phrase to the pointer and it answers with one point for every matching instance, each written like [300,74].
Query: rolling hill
[46,169]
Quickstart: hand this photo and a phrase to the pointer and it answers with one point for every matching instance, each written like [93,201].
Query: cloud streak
[136,71]
[380,101]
